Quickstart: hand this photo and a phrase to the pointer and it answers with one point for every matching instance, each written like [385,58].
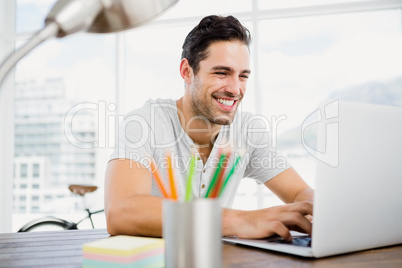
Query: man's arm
[129,207]
[290,187]
[295,215]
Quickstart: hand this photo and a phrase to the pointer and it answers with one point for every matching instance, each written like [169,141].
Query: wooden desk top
[64,249]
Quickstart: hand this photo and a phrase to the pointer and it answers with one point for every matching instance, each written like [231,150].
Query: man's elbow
[112,221]
[119,222]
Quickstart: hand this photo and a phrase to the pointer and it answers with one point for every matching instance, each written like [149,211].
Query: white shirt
[154,130]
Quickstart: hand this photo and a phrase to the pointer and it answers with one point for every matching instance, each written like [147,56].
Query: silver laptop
[358,188]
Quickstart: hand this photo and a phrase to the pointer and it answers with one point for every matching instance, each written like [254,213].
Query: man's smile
[226,104]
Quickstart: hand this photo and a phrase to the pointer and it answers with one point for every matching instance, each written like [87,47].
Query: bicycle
[52,222]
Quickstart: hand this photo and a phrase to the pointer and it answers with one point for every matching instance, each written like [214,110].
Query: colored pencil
[229,175]
[158,179]
[220,181]
[215,177]
[173,191]
[190,178]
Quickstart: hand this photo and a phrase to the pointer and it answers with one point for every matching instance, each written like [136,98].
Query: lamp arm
[49,31]
[103,16]
[66,17]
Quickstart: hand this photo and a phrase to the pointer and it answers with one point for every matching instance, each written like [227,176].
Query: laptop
[358,187]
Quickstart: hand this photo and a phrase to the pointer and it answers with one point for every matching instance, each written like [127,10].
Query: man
[215,67]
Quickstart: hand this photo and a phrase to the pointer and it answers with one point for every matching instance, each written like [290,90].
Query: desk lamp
[95,16]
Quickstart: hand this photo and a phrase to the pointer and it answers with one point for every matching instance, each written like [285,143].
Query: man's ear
[186,71]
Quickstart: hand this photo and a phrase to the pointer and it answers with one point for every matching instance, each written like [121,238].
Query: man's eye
[244,76]
[220,73]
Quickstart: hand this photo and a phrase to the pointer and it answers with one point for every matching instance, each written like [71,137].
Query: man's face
[220,84]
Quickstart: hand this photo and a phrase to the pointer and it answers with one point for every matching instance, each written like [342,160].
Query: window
[264,4]
[23,170]
[158,68]
[203,8]
[35,172]
[60,88]
[30,14]
[328,56]
[302,51]
[35,209]
[353,56]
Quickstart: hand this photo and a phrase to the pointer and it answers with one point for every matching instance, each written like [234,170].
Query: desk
[64,249]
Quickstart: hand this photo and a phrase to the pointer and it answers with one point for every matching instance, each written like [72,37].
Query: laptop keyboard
[303,241]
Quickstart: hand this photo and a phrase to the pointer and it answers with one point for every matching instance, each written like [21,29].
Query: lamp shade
[104,16]
[126,14]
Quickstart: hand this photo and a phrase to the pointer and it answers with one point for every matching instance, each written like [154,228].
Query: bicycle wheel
[48,224]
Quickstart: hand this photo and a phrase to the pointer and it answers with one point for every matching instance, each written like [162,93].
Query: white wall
[7,26]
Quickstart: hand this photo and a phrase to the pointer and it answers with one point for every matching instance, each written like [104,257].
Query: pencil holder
[192,233]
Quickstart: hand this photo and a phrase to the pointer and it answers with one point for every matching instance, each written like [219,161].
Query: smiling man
[215,67]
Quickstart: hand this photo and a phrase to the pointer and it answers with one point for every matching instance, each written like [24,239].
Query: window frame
[7,41]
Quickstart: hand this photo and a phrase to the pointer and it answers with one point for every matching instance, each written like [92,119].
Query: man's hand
[269,221]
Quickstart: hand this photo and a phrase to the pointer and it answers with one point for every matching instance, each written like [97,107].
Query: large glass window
[304,60]
[191,8]
[353,56]
[270,4]
[65,89]
[153,65]
[31,14]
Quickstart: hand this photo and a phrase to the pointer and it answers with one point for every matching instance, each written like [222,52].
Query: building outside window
[24,171]
[36,171]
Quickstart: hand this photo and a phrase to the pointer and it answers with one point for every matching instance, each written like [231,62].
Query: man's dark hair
[212,29]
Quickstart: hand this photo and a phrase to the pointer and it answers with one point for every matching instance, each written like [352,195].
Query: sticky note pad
[124,251]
